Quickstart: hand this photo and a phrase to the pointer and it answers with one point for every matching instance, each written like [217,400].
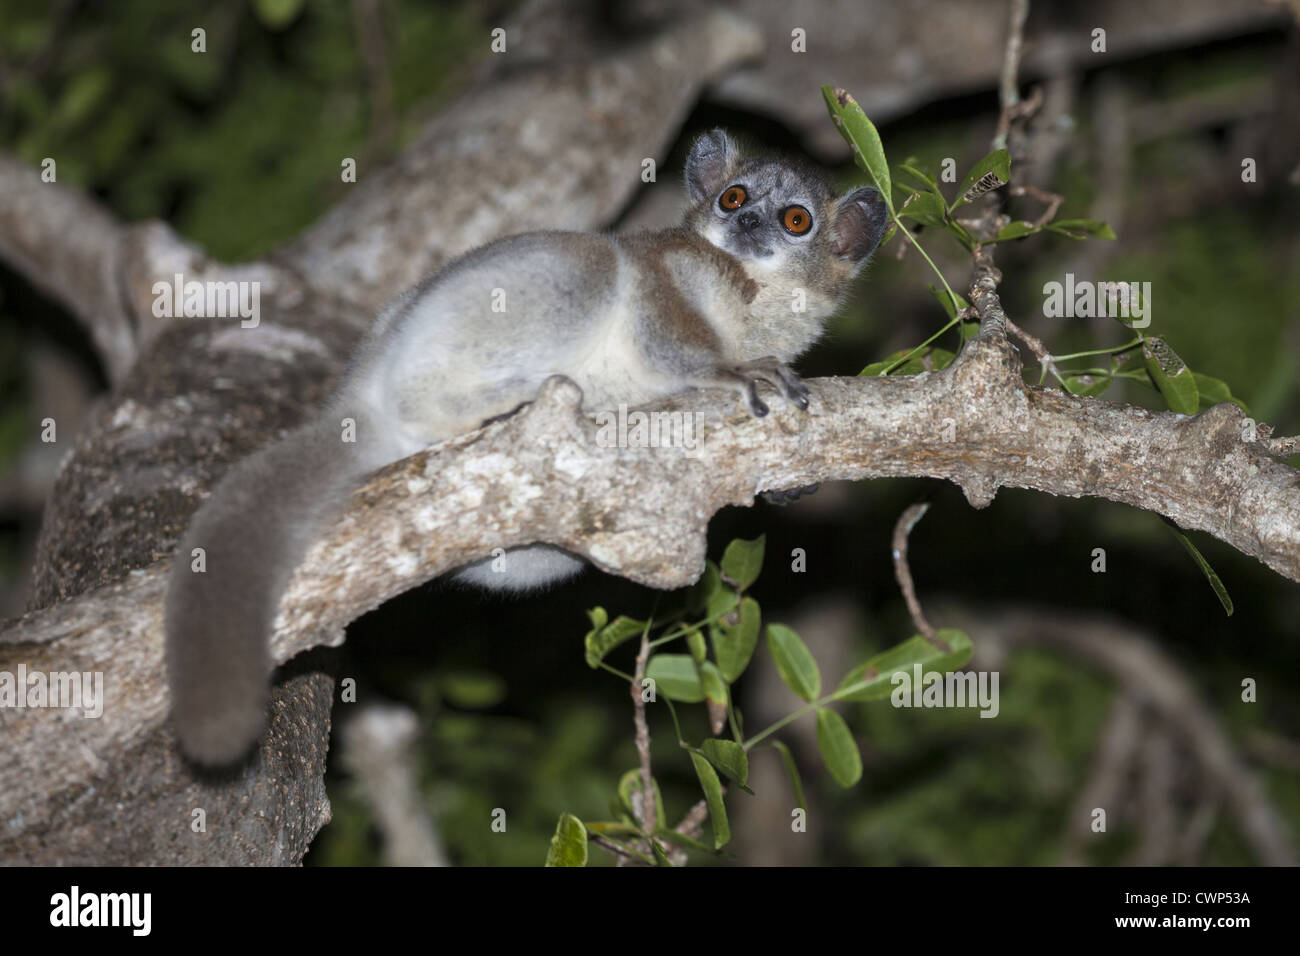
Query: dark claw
[793,387]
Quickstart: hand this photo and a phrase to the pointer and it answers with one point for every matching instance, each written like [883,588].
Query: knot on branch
[556,410]
[1220,428]
[989,370]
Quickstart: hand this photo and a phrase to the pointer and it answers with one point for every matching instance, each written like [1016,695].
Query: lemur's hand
[746,377]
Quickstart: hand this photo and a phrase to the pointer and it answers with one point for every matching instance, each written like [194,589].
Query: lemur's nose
[748,220]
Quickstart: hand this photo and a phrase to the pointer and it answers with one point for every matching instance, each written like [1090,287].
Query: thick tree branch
[642,513]
[559,150]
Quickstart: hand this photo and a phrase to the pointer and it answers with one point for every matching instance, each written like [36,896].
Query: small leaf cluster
[697,655]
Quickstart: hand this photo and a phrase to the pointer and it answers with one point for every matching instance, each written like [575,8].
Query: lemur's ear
[710,161]
[860,221]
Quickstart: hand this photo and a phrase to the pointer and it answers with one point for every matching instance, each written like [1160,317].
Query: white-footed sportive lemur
[630,318]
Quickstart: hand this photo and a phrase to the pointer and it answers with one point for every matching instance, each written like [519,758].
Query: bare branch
[1146,675]
[902,528]
[643,735]
[1008,90]
[377,749]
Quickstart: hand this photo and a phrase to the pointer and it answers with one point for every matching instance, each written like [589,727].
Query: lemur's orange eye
[796,220]
[733,198]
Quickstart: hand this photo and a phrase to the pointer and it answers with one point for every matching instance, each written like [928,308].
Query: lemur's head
[781,218]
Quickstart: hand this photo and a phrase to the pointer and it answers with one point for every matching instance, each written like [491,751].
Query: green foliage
[733,623]
[838,748]
[794,662]
[1162,369]
[1220,590]
[874,679]
[569,845]
[239,147]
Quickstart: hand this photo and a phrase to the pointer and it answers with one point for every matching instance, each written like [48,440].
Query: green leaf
[734,646]
[925,208]
[82,94]
[930,359]
[1220,591]
[868,151]
[472,689]
[729,757]
[681,840]
[713,797]
[1015,229]
[743,560]
[990,173]
[698,647]
[946,302]
[722,602]
[569,845]
[923,178]
[1212,391]
[876,675]
[1082,229]
[710,582]
[675,677]
[791,771]
[715,688]
[603,638]
[277,14]
[794,662]
[1089,385]
[613,828]
[838,748]
[629,784]
[1171,375]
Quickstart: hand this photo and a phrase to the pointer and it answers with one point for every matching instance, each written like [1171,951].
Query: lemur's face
[768,213]
[780,218]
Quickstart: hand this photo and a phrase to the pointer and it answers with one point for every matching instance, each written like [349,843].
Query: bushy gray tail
[254,530]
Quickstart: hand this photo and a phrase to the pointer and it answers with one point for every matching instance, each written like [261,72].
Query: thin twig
[692,824]
[1009,94]
[622,852]
[1116,754]
[648,809]
[378,750]
[1051,200]
[1281,447]
[369,18]
[902,528]
[1036,346]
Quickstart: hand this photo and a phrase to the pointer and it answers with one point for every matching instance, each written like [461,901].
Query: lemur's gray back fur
[631,319]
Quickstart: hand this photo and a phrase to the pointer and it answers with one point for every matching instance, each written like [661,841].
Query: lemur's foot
[774,372]
[787,495]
